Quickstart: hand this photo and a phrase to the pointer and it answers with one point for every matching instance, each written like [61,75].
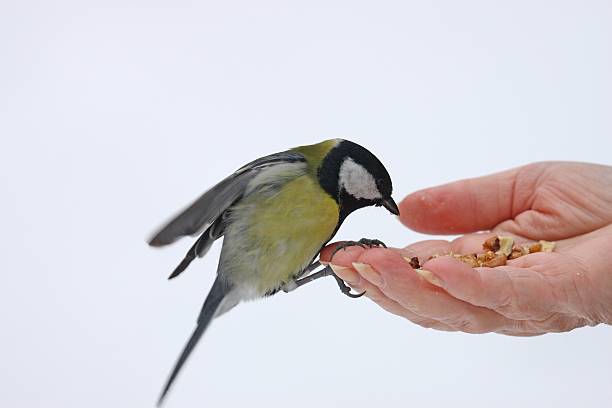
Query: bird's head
[355,178]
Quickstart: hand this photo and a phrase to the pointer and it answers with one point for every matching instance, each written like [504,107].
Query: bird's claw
[354,295]
[363,242]
[344,288]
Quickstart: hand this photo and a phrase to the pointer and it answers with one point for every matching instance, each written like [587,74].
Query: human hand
[570,203]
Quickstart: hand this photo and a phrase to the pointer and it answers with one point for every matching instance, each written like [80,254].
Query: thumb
[470,205]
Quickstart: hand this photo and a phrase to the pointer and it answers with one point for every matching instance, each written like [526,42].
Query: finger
[538,224]
[471,243]
[567,203]
[571,280]
[397,280]
[518,334]
[391,306]
[354,280]
[342,256]
[516,293]
[556,323]
[470,205]
[422,250]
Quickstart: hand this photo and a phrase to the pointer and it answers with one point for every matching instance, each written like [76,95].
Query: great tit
[275,214]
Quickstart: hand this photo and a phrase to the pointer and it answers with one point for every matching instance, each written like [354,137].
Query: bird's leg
[302,281]
[293,285]
[310,268]
[364,243]
[327,271]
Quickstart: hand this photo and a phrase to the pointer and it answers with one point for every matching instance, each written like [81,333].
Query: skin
[569,203]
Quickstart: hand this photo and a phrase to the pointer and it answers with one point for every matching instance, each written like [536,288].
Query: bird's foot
[363,242]
[344,288]
[327,271]
[294,284]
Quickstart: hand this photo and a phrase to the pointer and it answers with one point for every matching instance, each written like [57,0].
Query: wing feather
[204,211]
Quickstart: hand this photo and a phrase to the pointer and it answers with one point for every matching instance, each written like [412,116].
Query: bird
[275,214]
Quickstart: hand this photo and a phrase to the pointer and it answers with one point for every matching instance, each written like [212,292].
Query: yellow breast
[284,233]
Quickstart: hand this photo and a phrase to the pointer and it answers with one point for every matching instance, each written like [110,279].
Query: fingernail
[346,273]
[338,269]
[355,286]
[368,273]
[430,277]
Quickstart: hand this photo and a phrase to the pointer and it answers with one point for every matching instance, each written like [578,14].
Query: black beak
[390,205]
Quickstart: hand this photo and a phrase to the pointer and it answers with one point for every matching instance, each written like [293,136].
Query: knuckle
[560,323]
[555,323]
[587,299]
[427,324]
[476,328]
[374,296]
[526,296]
[465,324]
[424,323]
[520,326]
[505,301]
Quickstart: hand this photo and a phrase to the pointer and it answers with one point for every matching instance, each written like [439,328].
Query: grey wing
[204,211]
[202,245]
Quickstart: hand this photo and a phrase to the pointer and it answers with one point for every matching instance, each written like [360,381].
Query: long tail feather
[218,291]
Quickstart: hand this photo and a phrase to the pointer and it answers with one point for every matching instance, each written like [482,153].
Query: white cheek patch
[357,181]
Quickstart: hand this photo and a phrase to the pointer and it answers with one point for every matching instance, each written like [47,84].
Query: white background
[114,114]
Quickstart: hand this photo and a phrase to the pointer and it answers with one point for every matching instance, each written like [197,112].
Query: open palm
[570,203]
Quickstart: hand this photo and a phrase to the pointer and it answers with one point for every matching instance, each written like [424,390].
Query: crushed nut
[537,247]
[498,250]
[471,260]
[487,256]
[505,245]
[547,246]
[491,244]
[498,260]
[516,253]
[414,263]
